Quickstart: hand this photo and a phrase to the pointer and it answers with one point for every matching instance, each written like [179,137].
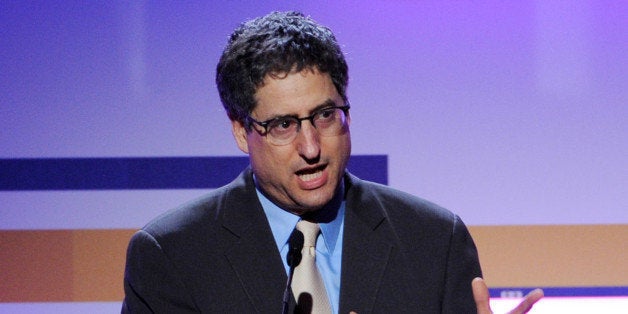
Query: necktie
[307,283]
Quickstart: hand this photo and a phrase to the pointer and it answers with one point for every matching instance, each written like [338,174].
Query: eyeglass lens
[328,122]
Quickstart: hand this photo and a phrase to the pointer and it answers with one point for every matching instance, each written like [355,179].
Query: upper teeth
[310,176]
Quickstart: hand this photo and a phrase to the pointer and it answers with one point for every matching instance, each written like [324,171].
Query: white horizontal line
[547,305]
[62,307]
[126,209]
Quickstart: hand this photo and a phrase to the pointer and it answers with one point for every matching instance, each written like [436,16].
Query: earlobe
[239,134]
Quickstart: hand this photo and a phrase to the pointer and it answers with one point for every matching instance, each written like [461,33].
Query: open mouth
[310,174]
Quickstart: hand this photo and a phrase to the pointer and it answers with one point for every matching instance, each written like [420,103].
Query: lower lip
[314,183]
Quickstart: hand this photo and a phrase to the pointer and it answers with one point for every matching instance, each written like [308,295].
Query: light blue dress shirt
[328,245]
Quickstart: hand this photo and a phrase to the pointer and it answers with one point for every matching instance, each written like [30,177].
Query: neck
[328,212]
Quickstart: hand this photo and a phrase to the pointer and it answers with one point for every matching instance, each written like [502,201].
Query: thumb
[481,296]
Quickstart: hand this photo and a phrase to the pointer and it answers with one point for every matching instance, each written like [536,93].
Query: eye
[325,114]
[283,123]
[282,126]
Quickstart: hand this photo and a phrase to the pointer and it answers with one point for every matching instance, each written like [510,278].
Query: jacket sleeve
[462,266]
[151,283]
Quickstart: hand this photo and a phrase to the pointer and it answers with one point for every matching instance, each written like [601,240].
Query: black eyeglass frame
[266,123]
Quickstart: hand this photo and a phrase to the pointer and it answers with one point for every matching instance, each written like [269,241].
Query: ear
[240,135]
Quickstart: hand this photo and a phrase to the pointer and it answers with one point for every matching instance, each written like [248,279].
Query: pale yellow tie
[307,283]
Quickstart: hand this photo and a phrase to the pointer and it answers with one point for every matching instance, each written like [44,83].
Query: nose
[308,142]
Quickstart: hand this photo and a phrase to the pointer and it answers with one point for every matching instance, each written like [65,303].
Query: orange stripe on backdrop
[88,265]
[550,255]
[35,266]
[62,265]
[99,257]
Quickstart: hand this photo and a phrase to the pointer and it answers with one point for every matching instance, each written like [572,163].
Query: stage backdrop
[513,115]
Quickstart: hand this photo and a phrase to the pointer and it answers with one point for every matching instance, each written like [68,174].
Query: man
[282,79]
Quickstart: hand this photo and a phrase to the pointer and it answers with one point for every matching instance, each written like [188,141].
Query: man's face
[303,175]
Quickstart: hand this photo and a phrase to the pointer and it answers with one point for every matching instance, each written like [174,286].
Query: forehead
[294,93]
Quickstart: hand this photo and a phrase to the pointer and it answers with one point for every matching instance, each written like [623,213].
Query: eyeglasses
[328,121]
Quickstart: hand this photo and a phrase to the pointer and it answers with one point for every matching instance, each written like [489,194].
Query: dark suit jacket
[217,255]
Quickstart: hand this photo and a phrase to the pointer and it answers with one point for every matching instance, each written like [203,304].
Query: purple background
[506,113]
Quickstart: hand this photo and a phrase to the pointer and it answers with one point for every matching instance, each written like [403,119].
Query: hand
[482,297]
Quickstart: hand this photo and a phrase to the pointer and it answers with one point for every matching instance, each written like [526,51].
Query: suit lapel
[251,248]
[366,250]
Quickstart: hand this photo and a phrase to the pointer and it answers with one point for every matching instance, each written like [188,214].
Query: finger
[481,296]
[528,302]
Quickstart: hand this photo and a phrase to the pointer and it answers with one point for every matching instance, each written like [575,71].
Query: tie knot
[310,232]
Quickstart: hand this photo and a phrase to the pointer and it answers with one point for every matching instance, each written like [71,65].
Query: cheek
[270,162]
[340,147]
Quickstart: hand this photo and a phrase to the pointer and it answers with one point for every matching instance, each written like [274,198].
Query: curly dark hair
[275,44]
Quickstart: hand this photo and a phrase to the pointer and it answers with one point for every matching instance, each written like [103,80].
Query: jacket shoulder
[397,203]
[204,212]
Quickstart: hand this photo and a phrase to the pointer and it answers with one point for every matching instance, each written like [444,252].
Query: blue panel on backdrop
[146,172]
[560,292]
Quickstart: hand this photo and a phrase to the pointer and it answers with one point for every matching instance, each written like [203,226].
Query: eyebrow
[327,103]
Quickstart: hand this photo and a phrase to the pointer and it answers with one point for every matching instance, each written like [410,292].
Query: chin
[315,203]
